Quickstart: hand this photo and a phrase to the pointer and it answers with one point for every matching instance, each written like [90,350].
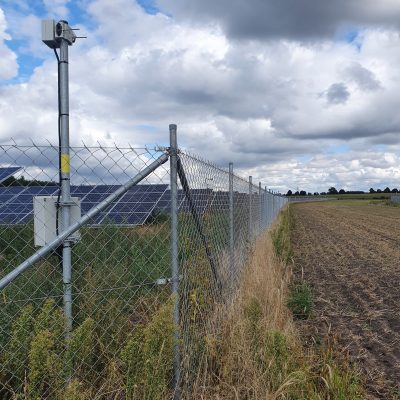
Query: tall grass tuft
[281,236]
[300,300]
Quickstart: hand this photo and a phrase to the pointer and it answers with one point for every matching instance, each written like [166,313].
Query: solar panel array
[201,199]
[133,208]
[6,172]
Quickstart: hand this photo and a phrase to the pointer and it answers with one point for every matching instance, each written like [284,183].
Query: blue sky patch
[352,37]
[338,149]
[77,15]
[149,6]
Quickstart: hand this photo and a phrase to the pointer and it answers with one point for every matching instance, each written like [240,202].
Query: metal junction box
[45,212]
[48,33]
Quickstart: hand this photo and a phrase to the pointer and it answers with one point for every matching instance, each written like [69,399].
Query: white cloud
[349,171]
[56,8]
[262,104]
[8,59]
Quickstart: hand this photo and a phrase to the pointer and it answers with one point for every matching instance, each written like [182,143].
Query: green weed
[281,236]
[81,352]
[300,301]
[17,353]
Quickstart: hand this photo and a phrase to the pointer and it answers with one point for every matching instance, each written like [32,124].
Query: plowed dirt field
[349,253]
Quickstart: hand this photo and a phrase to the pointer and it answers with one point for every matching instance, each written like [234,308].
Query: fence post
[273,206]
[174,256]
[231,237]
[270,211]
[250,208]
[265,207]
[259,208]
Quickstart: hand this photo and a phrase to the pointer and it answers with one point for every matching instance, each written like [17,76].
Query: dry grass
[253,351]
[256,337]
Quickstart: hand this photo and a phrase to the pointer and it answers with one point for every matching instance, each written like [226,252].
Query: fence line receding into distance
[155,246]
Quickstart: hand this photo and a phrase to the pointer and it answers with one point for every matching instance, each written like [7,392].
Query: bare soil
[349,253]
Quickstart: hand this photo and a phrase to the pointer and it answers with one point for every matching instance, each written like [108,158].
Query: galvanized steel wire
[123,339]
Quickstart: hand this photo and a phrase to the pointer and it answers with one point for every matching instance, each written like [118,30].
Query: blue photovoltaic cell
[7,172]
[91,196]
[133,208]
[201,198]
[204,200]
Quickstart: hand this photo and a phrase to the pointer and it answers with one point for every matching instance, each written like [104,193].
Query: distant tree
[378,191]
[372,190]
[297,193]
[303,193]
[323,193]
[332,190]
[394,190]
[289,193]
[309,194]
[386,190]
[316,194]
[22,181]
[342,191]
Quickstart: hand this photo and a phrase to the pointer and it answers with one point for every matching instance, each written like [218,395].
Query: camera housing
[53,32]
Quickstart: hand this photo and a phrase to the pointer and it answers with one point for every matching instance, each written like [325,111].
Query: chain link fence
[395,198]
[308,199]
[131,320]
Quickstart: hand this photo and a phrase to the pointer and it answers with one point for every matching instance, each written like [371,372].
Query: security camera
[53,33]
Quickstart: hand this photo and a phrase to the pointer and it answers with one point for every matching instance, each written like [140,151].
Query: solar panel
[91,196]
[220,201]
[136,205]
[133,208]
[201,198]
[16,202]
[7,172]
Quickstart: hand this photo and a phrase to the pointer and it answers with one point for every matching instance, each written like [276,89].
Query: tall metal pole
[65,183]
[269,207]
[273,206]
[265,207]
[231,237]
[259,208]
[174,255]
[250,210]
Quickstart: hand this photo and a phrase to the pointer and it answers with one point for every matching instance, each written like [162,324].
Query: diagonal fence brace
[7,279]
[199,227]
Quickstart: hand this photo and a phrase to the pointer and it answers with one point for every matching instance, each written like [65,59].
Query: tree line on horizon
[22,181]
[332,191]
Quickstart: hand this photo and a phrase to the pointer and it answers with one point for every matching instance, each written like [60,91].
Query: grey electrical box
[45,213]
[53,32]
[48,35]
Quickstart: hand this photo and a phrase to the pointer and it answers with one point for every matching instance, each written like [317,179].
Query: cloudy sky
[298,93]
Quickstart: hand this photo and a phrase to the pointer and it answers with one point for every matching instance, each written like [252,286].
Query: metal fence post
[250,208]
[259,208]
[174,255]
[273,206]
[231,237]
[65,183]
[265,204]
[269,207]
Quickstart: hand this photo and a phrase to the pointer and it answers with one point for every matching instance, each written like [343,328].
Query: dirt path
[349,252]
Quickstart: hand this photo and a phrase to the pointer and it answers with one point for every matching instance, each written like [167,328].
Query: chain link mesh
[121,344]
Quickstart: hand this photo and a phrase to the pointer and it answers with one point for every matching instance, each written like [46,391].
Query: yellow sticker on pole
[65,166]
